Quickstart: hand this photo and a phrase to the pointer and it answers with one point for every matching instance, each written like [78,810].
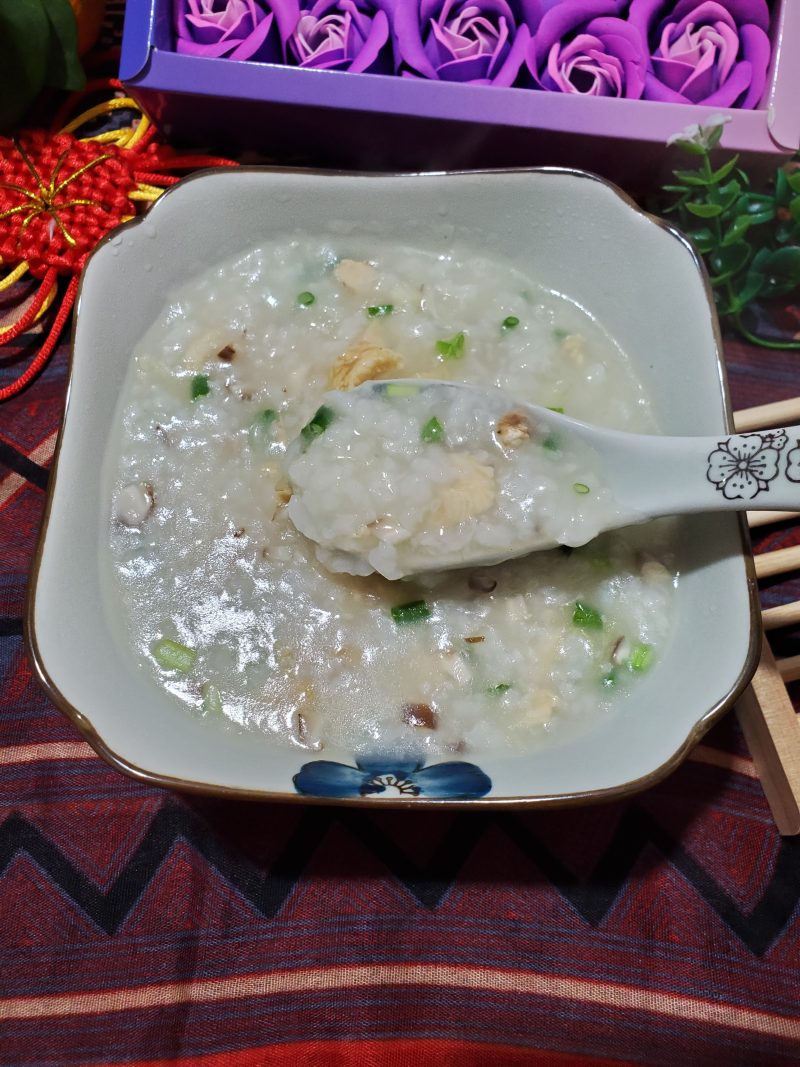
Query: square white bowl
[577,235]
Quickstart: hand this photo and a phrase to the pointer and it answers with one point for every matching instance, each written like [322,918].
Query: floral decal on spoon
[743,466]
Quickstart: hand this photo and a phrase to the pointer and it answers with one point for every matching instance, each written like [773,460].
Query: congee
[227,605]
[411,476]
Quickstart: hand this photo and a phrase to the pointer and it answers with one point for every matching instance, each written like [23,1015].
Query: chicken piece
[470,493]
[655,573]
[363,361]
[574,347]
[539,707]
[355,275]
[513,429]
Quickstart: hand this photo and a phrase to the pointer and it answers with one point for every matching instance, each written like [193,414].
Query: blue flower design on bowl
[392,777]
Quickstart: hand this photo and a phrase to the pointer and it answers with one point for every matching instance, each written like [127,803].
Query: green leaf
[704,211]
[782,271]
[703,238]
[753,284]
[692,147]
[794,209]
[24,48]
[727,261]
[782,190]
[793,178]
[691,177]
[714,136]
[725,169]
[738,228]
[64,70]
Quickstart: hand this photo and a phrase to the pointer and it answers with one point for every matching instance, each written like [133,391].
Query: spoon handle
[753,471]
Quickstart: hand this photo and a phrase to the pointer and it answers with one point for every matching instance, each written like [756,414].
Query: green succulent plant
[749,238]
[38,49]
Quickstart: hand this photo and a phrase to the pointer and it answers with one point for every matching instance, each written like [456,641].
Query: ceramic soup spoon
[408,476]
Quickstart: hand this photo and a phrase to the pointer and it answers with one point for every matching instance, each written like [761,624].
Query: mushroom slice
[363,361]
[513,429]
[420,715]
[356,275]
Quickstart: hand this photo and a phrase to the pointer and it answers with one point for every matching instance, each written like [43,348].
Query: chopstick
[780,413]
[766,713]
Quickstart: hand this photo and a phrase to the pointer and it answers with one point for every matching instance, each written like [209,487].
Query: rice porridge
[409,476]
[225,602]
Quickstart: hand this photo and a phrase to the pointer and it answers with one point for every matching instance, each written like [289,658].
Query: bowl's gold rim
[557,800]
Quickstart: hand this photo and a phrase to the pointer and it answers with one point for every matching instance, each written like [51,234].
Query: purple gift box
[376,121]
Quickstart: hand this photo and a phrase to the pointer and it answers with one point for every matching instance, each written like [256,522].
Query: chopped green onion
[305,299]
[377,310]
[558,411]
[414,611]
[609,681]
[510,322]
[587,617]
[266,417]
[200,386]
[580,488]
[400,389]
[432,431]
[559,333]
[173,656]
[503,687]
[212,701]
[452,349]
[550,443]
[641,658]
[318,425]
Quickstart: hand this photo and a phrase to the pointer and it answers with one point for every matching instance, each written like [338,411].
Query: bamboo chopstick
[780,413]
[766,713]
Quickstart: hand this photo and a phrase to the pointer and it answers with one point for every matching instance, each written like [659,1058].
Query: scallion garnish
[586,617]
[172,656]
[580,488]
[558,411]
[305,299]
[397,389]
[452,349]
[212,701]
[510,322]
[503,687]
[641,658]
[414,611]
[432,431]
[318,425]
[608,681]
[559,333]
[266,417]
[378,310]
[550,443]
[200,386]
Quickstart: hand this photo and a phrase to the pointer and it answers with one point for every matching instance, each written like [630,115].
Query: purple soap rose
[582,46]
[479,41]
[704,53]
[343,35]
[238,29]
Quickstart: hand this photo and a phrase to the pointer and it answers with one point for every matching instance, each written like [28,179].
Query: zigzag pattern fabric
[138,927]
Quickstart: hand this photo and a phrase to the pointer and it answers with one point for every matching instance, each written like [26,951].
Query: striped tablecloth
[142,927]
